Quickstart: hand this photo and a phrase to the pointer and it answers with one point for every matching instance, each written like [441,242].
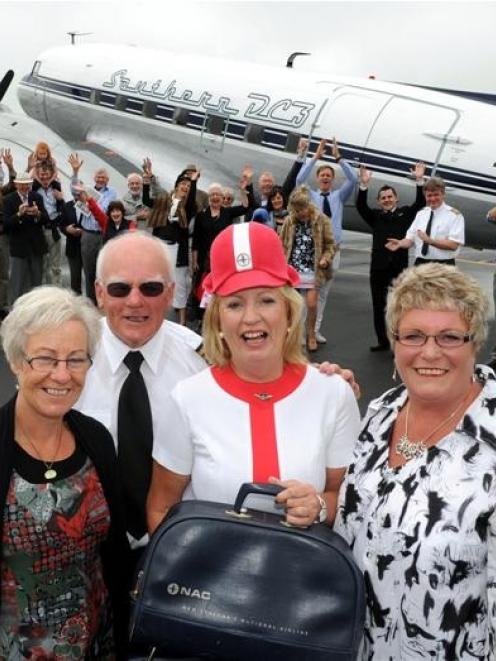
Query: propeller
[5,83]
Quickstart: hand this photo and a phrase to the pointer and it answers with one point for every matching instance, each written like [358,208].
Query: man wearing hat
[24,219]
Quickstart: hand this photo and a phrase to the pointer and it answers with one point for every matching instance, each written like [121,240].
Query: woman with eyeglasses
[418,503]
[63,547]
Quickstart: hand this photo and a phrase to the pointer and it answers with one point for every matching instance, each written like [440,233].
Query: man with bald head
[134,289]
[134,208]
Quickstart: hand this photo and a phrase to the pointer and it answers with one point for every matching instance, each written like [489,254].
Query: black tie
[135,444]
[326,207]
[425,246]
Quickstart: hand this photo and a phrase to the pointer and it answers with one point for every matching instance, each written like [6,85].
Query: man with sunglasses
[134,289]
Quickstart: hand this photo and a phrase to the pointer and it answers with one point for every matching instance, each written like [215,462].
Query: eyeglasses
[123,289]
[446,339]
[46,364]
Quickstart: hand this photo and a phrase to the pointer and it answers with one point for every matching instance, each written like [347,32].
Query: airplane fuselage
[222,114]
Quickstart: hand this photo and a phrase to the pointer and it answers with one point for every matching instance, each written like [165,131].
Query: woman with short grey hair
[42,308]
[63,547]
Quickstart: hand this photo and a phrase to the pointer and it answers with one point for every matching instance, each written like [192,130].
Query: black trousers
[380,281]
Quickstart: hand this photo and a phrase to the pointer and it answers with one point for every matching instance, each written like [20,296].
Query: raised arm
[346,188]
[8,159]
[307,167]
[75,162]
[190,205]
[418,172]
[290,181]
[362,206]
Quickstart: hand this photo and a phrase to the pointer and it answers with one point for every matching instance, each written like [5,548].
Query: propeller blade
[5,83]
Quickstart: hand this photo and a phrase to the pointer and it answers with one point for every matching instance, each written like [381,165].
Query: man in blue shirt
[91,238]
[330,202]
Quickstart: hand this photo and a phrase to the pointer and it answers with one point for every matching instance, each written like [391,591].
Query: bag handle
[259,488]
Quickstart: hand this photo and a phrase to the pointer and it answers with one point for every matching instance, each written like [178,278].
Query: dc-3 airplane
[223,114]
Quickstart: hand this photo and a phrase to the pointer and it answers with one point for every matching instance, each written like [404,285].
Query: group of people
[118,416]
[35,215]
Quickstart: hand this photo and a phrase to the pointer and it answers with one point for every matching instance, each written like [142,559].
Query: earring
[394,375]
[288,330]
[221,335]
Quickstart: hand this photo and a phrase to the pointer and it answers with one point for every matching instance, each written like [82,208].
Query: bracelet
[322,516]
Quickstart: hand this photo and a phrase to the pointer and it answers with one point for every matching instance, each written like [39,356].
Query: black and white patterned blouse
[302,256]
[424,534]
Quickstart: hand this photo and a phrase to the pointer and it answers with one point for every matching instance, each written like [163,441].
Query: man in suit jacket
[24,219]
[390,220]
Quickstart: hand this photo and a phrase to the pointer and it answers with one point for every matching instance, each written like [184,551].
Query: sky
[433,43]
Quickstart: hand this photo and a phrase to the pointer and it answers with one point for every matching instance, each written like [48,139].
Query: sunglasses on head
[123,289]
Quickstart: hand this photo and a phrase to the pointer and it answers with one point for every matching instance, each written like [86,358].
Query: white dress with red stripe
[224,431]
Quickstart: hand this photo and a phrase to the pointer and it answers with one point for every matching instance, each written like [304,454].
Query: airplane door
[216,127]
[408,130]
[349,115]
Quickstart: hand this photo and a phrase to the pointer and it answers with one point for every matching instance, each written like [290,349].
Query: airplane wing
[118,149]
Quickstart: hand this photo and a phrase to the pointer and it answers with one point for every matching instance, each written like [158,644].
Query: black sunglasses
[123,289]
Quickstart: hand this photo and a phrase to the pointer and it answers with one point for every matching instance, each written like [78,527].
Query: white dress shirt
[169,357]
[447,223]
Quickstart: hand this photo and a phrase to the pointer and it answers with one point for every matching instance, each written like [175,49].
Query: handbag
[223,582]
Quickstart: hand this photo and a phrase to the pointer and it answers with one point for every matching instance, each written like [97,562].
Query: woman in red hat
[261,412]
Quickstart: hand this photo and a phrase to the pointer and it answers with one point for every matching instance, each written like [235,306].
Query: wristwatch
[322,517]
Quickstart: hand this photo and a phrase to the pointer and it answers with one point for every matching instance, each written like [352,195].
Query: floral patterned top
[303,252]
[424,535]
[53,597]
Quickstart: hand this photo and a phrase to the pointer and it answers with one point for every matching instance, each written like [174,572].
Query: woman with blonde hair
[281,421]
[418,504]
[309,247]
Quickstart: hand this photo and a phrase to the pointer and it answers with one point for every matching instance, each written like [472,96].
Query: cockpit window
[36,68]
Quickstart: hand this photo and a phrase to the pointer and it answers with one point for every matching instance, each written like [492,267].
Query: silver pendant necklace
[411,449]
[50,472]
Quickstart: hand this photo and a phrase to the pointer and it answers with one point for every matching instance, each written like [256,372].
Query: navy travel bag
[226,583]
